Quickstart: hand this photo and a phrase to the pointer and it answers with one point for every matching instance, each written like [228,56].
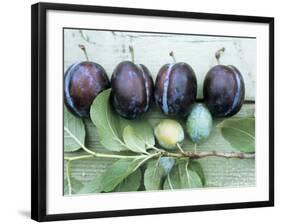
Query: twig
[161,152]
[228,155]
[147,158]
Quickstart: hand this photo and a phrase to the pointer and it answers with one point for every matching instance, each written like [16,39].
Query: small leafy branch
[162,169]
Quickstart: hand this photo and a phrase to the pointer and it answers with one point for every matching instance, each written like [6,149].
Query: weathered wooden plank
[110,48]
[222,172]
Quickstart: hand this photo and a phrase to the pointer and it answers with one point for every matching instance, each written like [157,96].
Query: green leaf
[132,141]
[196,167]
[113,129]
[123,175]
[145,132]
[76,185]
[75,125]
[142,129]
[117,172]
[107,122]
[240,133]
[109,142]
[153,176]
[130,183]
[181,176]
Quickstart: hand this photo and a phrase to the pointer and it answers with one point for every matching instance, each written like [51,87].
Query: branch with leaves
[159,153]
[162,169]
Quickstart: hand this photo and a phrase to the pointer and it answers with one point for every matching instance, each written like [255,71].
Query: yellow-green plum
[169,133]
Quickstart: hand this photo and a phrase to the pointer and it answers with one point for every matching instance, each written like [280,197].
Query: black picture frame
[39,121]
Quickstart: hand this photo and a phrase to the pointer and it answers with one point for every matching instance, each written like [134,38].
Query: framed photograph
[140,111]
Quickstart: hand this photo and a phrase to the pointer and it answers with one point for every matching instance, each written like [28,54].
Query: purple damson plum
[224,89]
[175,88]
[82,83]
[132,89]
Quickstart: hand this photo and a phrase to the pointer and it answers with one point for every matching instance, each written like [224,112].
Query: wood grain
[110,48]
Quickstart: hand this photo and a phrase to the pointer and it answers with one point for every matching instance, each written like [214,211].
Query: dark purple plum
[175,88]
[132,89]
[82,83]
[224,90]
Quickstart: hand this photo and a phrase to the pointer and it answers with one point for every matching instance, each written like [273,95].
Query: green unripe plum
[199,123]
[168,133]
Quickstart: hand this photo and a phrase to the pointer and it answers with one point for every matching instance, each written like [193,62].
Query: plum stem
[180,148]
[173,56]
[155,148]
[218,54]
[195,148]
[131,49]
[83,48]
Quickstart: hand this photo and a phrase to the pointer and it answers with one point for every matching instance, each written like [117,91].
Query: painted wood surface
[110,48]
